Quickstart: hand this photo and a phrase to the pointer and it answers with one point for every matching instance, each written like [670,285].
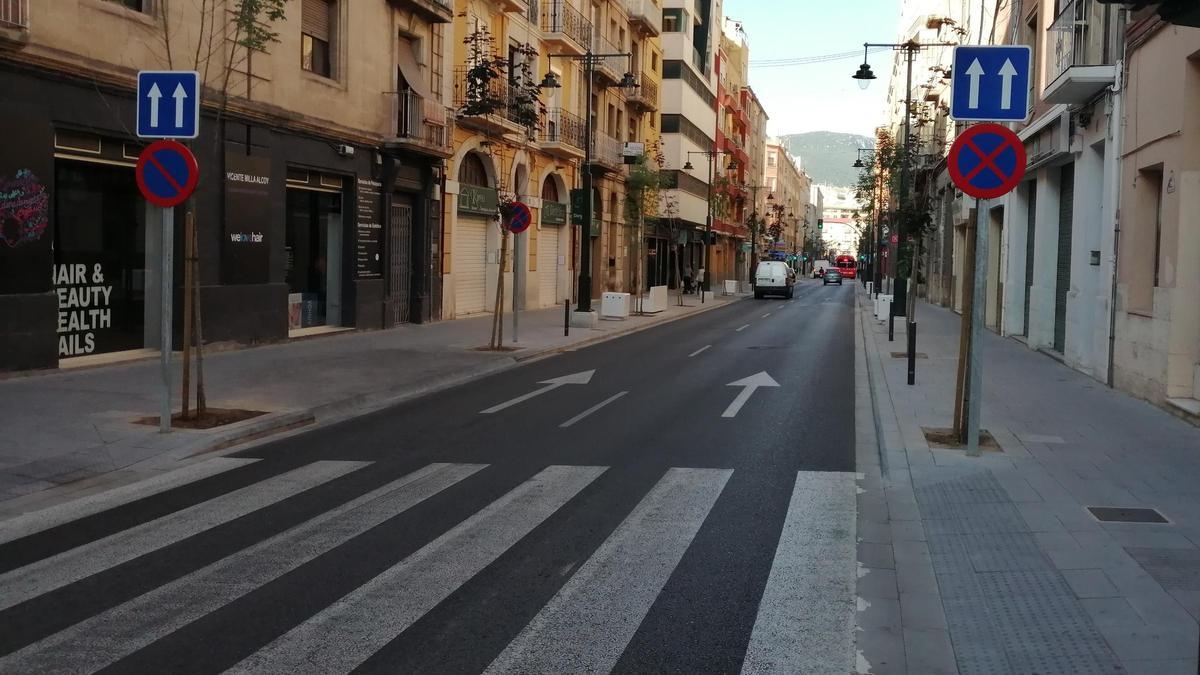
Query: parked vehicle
[847,265]
[819,267]
[832,276]
[773,277]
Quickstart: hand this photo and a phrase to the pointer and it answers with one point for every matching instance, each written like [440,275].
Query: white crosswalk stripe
[352,629]
[112,635]
[609,596]
[805,620]
[57,571]
[32,523]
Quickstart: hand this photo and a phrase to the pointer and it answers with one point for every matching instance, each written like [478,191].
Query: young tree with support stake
[228,38]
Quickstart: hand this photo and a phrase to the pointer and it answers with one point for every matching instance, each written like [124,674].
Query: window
[1145,241]
[472,171]
[317,28]
[654,62]
[143,6]
[771,161]
[672,20]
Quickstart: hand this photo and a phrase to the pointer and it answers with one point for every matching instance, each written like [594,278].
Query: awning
[407,59]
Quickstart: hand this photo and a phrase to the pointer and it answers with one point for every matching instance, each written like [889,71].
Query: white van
[774,278]
[819,267]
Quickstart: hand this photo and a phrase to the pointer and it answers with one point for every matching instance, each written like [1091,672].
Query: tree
[227,38]
[643,188]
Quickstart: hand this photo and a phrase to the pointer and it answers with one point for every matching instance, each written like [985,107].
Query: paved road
[636,514]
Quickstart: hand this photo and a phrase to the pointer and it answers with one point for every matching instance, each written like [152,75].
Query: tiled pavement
[993,564]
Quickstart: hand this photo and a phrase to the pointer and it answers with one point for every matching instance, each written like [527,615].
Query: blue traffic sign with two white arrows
[990,83]
[168,104]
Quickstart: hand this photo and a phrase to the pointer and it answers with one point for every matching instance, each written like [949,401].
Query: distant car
[773,277]
[832,276]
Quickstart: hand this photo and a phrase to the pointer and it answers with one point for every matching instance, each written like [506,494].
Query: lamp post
[550,81]
[875,233]
[864,75]
[712,178]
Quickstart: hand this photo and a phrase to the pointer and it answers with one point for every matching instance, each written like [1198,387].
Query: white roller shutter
[548,265]
[470,258]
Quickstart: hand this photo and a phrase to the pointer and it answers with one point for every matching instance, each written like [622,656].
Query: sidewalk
[64,427]
[994,564]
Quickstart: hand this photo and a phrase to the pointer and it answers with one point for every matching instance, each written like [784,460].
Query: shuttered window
[317,33]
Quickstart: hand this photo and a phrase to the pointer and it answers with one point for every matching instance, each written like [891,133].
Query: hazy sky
[822,96]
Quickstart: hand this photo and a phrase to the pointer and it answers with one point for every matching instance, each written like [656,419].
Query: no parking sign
[987,161]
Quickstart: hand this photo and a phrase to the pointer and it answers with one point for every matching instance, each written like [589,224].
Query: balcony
[14,21]
[646,16]
[646,94]
[514,6]
[420,125]
[437,11]
[494,107]
[1080,65]
[608,69]
[565,29]
[606,152]
[562,134]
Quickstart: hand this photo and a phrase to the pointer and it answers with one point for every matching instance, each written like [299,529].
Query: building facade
[319,200]
[790,191]
[1156,352]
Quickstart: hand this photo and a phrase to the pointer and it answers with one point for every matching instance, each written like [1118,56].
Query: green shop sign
[577,212]
[478,200]
[554,213]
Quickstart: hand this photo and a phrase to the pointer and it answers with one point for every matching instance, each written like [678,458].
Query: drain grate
[1116,514]
[904,355]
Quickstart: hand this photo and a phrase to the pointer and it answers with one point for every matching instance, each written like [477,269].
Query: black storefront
[294,231]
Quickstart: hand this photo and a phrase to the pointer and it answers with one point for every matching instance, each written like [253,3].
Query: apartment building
[731,257]
[1156,353]
[690,40]
[516,143]
[790,192]
[320,152]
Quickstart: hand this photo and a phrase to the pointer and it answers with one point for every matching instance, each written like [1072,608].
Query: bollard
[912,352]
[566,318]
[891,326]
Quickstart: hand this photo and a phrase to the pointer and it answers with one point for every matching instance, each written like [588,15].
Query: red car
[847,265]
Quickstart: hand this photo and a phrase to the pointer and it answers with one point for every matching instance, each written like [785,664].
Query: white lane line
[348,632]
[111,636]
[805,621]
[67,567]
[766,315]
[592,409]
[698,351]
[742,328]
[39,521]
[612,592]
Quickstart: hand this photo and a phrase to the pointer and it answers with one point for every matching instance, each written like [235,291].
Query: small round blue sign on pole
[167,173]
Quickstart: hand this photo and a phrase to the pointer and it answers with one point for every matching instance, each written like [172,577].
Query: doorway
[314,258]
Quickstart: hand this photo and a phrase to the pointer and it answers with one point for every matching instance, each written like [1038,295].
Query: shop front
[313,249]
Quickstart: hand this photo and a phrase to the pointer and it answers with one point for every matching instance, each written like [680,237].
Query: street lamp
[711,155]
[864,75]
[550,81]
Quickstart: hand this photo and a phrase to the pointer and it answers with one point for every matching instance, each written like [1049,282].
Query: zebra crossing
[804,621]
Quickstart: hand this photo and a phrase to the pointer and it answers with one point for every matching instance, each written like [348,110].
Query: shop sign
[368,246]
[246,250]
[554,213]
[84,307]
[577,211]
[478,200]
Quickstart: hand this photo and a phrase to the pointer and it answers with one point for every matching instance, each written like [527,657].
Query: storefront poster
[369,229]
[246,255]
[554,213]
[85,309]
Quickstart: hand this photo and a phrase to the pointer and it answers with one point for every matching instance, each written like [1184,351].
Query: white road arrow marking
[1007,73]
[577,378]
[154,95]
[180,95]
[974,72]
[751,383]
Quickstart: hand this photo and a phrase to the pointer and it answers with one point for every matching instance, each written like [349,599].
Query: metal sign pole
[974,362]
[165,342]
[516,287]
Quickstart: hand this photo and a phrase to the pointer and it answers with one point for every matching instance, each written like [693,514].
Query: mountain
[827,156]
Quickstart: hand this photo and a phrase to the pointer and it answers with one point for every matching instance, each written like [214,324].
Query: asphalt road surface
[678,500]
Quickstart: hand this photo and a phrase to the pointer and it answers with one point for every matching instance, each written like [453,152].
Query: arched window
[471,170]
[550,189]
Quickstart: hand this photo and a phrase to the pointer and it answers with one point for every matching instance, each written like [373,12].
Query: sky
[822,96]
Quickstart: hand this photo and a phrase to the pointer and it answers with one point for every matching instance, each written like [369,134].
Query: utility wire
[806,60]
